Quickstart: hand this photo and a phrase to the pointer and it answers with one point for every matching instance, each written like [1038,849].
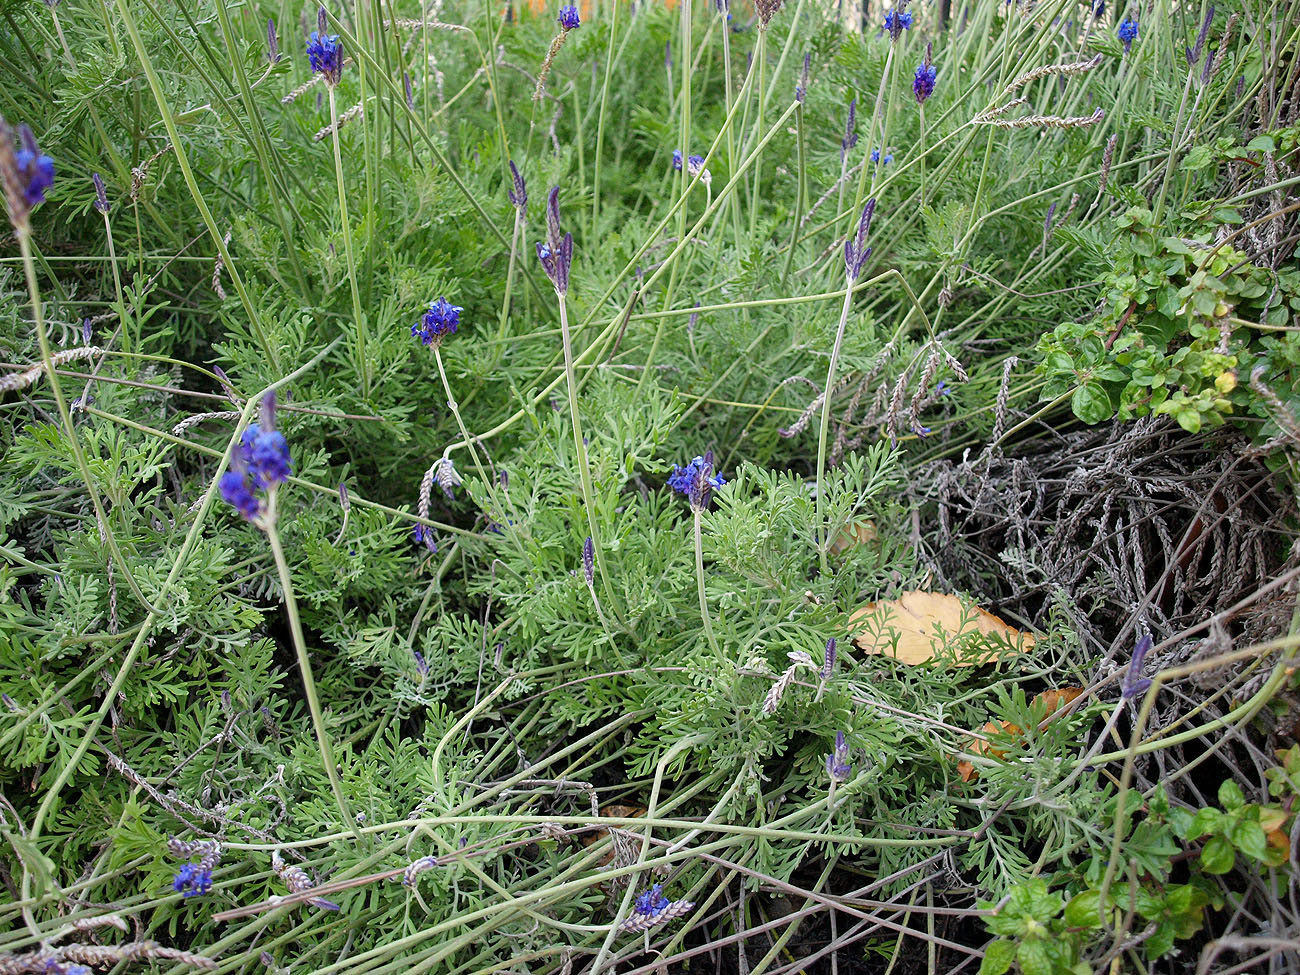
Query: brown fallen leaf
[617,812]
[858,533]
[926,622]
[1054,700]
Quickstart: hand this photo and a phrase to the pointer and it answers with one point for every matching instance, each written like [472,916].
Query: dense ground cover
[446,448]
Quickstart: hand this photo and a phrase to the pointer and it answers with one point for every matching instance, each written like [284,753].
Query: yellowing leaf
[926,622]
[1054,699]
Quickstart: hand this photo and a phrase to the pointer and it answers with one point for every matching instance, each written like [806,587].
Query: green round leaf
[1091,403]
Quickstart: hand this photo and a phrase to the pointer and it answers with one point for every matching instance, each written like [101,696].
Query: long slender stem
[699,584]
[363,366]
[824,543]
[584,467]
[304,666]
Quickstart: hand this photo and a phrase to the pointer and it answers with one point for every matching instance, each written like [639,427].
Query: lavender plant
[617,699]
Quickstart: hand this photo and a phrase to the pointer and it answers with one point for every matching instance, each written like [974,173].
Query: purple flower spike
[697,481]
[856,251]
[518,195]
[1127,33]
[850,136]
[101,194]
[192,881]
[801,89]
[897,21]
[923,83]
[325,51]
[589,560]
[442,319]
[1134,684]
[556,254]
[828,663]
[272,43]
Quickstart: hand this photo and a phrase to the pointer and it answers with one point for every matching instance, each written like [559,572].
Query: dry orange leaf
[858,533]
[927,621]
[1055,699]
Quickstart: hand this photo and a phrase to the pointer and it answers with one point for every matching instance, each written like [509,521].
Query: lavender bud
[1134,683]
[589,560]
[410,94]
[668,55]
[267,413]
[837,762]
[345,502]
[272,42]
[101,194]
[828,664]
[850,136]
[87,331]
[556,255]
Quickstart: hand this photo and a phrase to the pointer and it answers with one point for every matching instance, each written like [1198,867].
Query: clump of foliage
[447,449]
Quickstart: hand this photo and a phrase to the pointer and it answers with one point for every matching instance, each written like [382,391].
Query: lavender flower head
[589,560]
[923,83]
[850,136]
[258,464]
[696,481]
[569,19]
[677,160]
[325,52]
[837,762]
[856,251]
[652,901]
[1134,684]
[1127,33]
[192,881]
[27,173]
[440,320]
[556,254]
[875,156]
[897,21]
[272,42]
[518,195]
[801,89]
